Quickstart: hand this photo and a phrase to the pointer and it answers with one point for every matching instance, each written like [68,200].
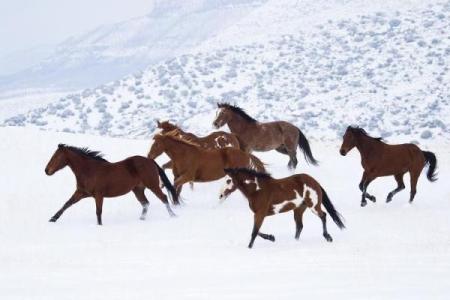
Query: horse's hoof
[328,238]
[53,220]
[271,238]
[388,199]
[142,218]
[372,198]
[363,203]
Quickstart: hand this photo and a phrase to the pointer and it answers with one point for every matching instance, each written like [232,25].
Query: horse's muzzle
[47,171]
[343,152]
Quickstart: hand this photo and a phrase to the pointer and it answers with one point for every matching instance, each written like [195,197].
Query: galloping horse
[255,136]
[215,140]
[268,196]
[98,178]
[192,163]
[380,159]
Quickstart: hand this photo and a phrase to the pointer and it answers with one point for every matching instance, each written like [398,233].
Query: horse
[256,136]
[268,196]
[98,178]
[193,163]
[380,159]
[214,140]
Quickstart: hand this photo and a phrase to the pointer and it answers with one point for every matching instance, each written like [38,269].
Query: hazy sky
[30,23]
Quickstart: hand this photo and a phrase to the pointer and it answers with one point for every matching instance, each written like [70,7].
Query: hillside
[387,71]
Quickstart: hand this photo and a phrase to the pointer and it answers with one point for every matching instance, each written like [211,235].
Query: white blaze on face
[298,200]
[227,186]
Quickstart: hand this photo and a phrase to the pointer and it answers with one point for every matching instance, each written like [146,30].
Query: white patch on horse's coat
[298,200]
[217,141]
[248,181]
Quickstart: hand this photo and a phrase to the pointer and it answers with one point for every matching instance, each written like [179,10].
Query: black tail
[430,159]
[170,188]
[337,218]
[304,146]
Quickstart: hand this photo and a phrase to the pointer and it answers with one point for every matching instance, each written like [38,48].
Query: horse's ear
[60,146]
[158,123]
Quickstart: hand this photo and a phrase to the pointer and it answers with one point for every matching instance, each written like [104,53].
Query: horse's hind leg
[400,186]
[323,218]
[414,178]
[159,193]
[77,196]
[298,217]
[139,192]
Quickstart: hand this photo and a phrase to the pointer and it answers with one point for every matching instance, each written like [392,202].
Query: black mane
[86,152]
[237,110]
[249,172]
[359,130]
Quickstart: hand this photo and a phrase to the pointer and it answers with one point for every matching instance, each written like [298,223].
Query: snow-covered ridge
[113,51]
[387,71]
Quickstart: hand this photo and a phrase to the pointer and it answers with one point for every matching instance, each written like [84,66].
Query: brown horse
[268,196]
[215,140]
[98,178]
[192,163]
[380,159]
[255,136]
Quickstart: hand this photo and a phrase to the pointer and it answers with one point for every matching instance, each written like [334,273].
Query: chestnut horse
[380,159]
[268,196]
[192,163]
[256,136]
[215,140]
[98,178]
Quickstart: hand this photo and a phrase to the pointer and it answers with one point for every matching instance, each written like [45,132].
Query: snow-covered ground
[384,69]
[388,251]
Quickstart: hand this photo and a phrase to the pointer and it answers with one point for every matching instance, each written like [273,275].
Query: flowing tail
[170,188]
[337,218]
[430,159]
[306,149]
[256,164]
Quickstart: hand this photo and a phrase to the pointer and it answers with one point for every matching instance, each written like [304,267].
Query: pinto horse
[192,163]
[256,136]
[98,178]
[380,159]
[215,140]
[268,196]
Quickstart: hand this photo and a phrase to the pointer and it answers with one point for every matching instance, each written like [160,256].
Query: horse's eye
[228,181]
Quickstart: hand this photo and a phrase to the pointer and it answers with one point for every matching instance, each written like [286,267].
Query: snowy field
[388,251]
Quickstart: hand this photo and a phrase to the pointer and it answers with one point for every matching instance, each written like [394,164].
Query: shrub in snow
[426,134]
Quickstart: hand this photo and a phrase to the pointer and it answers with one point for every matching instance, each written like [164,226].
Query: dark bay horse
[256,136]
[214,140]
[192,163]
[380,159]
[98,178]
[268,196]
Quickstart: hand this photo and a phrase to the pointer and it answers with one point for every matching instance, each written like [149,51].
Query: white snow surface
[321,65]
[388,251]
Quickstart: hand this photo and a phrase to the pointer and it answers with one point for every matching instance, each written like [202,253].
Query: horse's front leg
[365,195]
[77,196]
[361,187]
[180,180]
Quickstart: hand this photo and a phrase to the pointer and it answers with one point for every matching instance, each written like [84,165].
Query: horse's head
[349,141]
[57,162]
[223,115]
[227,189]
[157,147]
[241,178]
[166,126]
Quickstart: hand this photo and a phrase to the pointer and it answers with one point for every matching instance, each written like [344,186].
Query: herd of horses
[222,154]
